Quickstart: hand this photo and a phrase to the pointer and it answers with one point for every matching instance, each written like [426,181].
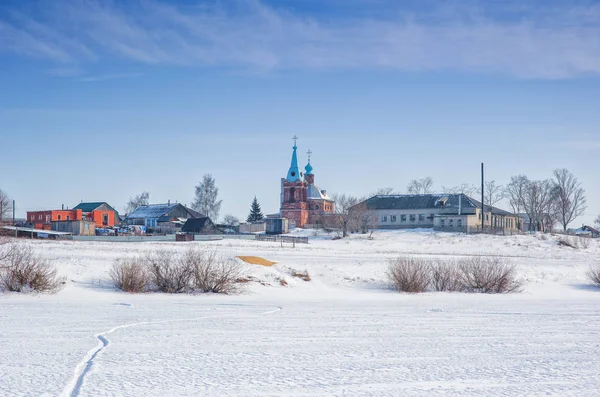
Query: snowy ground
[341,334]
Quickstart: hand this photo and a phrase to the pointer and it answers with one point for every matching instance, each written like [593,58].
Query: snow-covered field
[341,334]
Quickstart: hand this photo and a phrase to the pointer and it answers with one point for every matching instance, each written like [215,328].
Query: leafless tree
[464,188]
[515,191]
[347,212]
[137,201]
[383,191]
[597,221]
[420,186]
[538,201]
[570,197]
[493,192]
[5,205]
[230,220]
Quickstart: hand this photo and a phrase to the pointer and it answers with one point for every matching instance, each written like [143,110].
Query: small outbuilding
[201,226]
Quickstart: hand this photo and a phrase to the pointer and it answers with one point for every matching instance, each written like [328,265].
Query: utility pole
[15,223]
[482,200]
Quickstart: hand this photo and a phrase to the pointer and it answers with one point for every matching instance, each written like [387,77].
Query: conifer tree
[256,214]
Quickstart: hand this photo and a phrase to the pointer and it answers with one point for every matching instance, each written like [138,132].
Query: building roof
[194,224]
[314,193]
[428,201]
[89,207]
[158,210]
[293,174]
[586,228]
[40,231]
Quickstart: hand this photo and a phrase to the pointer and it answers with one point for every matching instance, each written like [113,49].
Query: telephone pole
[482,200]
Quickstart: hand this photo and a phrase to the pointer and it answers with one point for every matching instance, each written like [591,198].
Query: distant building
[77,227]
[449,212]
[42,219]
[201,226]
[100,212]
[302,202]
[589,231]
[165,218]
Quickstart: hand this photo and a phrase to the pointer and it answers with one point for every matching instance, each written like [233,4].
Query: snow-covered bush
[22,271]
[303,275]
[212,273]
[487,274]
[169,272]
[446,276]
[130,275]
[594,274]
[408,274]
[567,242]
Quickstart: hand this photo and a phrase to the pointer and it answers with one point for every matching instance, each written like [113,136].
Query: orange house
[100,212]
[42,219]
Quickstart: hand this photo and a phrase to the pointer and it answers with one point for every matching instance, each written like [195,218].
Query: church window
[393,218]
[292,194]
[317,206]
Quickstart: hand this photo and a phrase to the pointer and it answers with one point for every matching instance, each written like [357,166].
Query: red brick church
[302,202]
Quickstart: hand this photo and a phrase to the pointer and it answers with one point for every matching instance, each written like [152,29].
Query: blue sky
[101,100]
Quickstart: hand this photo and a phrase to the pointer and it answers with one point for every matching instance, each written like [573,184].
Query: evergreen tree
[256,214]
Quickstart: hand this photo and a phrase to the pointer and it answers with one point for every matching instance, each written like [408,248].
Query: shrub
[567,242]
[584,242]
[169,272]
[130,275]
[445,276]
[22,271]
[301,275]
[488,275]
[212,273]
[594,274]
[408,274]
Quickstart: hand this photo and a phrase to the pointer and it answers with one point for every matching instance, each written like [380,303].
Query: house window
[68,217]
[487,217]
[459,223]
[48,218]
[402,218]
[421,217]
[431,216]
[60,217]
[105,219]
[413,217]
[442,222]
[393,218]
[384,218]
[451,222]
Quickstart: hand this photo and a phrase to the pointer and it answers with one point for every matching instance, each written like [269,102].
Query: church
[302,202]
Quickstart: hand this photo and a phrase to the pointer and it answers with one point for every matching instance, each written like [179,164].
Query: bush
[212,273]
[488,275]
[301,275]
[169,272]
[567,242]
[445,276]
[22,271]
[130,275]
[594,274]
[408,274]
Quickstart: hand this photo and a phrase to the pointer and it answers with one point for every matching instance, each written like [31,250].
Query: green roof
[89,207]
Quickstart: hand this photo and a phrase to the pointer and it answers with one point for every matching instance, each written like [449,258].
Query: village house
[446,212]
[99,212]
[202,225]
[163,218]
[303,203]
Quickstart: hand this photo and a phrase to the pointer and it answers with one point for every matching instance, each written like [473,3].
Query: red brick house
[102,214]
[302,202]
[43,219]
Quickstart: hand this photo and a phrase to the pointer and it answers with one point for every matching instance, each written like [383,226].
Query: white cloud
[555,43]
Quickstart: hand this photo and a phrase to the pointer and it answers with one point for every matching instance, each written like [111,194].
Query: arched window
[292,195]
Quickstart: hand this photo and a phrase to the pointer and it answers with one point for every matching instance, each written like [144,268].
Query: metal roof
[88,207]
[314,193]
[428,201]
[159,210]
[41,231]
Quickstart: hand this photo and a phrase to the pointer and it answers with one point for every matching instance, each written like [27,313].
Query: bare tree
[570,197]
[347,212]
[383,191]
[137,201]
[5,205]
[597,221]
[230,220]
[538,202]
[206,197]
[420,186]
[493,192]
[515,191]
[464,188]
